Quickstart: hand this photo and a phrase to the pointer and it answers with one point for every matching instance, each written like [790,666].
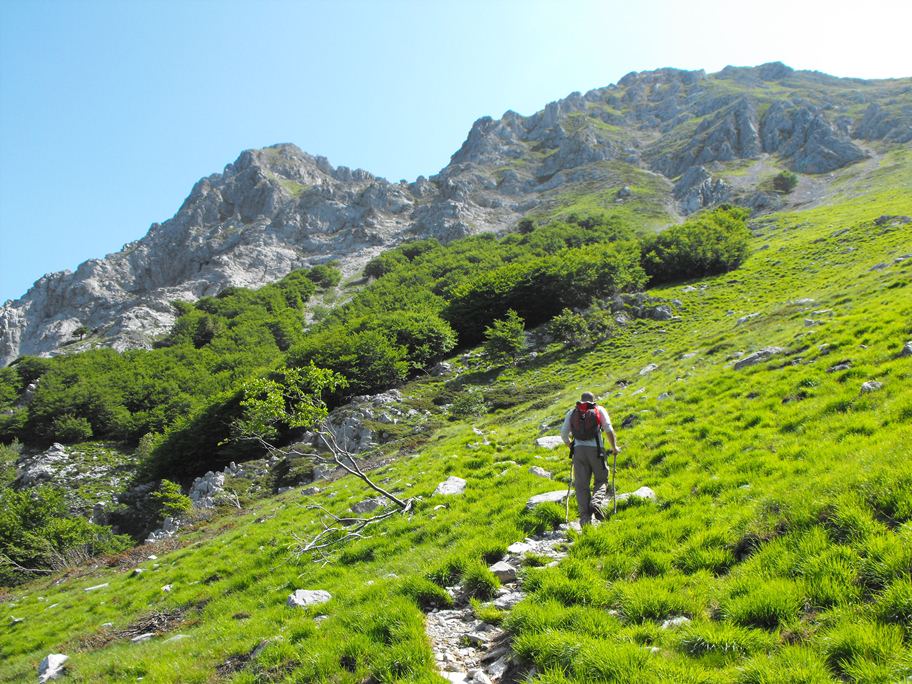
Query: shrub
[711,243]
[70,429]
[569,327]
[325,275]
[506,337]
[170,501]
[469,403]
[785,181]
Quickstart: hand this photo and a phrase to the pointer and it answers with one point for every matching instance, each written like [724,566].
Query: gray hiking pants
[586,464]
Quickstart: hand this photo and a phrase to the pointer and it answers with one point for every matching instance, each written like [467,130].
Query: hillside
[771,416]
[655,146]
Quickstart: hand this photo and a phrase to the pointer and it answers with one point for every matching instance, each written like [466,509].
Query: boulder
[503,571]
[452,485]
[758,357]
[645,370]
[302,598]
[547,497]
[51,667]
[871,386]
[540,472]
[549,442]
[906,351]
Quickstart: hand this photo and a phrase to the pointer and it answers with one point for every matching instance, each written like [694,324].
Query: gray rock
[644,493]
[540,472]
[507,601]
[871,386]
[758,357]
[519,548]
[550,442]
[368,505]
[97,587]
[442,368]
[204,490]
[139,638]
[452,485]
[906,351]
[547,497]
[648,369]
[503,571]
[302,598]
[51,667]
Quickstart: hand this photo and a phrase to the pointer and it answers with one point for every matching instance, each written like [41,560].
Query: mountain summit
[662,143]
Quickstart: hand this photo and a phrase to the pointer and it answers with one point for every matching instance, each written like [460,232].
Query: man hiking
[584,423]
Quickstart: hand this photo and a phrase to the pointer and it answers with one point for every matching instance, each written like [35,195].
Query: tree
[80,332]
[170,501]
[506,337]
[785,182]
[569,327]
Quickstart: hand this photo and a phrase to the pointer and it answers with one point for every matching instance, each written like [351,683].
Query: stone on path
[550,442]
[452,485]
[503,571]
[51,667]
[547,497]
[302,598]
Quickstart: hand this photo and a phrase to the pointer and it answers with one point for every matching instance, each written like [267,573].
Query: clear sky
[110,111]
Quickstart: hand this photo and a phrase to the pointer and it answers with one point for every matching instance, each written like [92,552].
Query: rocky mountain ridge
[668,134]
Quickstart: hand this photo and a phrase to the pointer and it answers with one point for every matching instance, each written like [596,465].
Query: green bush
[785,181]
[569,327]
[895,604]
[70,429]
[711,243]
[325,275]
[505,338]
[427,595]
[37,531]
[469,403]
[170,501]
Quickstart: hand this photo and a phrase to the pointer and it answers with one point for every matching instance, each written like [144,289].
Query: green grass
[783,526]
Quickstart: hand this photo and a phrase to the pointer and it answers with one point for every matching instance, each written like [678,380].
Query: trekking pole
[569,485]
[614,494]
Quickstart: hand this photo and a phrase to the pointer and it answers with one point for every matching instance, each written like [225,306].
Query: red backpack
[584,425]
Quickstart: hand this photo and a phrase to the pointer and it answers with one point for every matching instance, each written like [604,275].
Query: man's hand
[615,449]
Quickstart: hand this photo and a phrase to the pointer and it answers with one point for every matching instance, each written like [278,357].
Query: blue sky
[110,111]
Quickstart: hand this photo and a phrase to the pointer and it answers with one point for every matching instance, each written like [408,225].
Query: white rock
[871,386]
[452,485]
[645,370]
[907,349]
[550,442]
[519,548]
[503,571]
[547,497]
[142,637]
[302,598]
[758,356]
[96,587]
[675,622]
[51,667]
[166,588]
[641,493]
[507,601]
[540,472]
[368,505]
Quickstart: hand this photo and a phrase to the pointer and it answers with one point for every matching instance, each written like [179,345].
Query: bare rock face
[277,209]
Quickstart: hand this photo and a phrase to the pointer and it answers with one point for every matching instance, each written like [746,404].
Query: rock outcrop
[279,208]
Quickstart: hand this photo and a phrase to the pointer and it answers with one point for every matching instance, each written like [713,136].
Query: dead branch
[6,559]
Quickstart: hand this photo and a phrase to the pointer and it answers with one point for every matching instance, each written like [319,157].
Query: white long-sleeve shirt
[604,423]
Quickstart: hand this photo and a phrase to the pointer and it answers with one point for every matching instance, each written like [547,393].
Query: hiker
[584,423]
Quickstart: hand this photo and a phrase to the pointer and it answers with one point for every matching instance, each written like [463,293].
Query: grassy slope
[781,529]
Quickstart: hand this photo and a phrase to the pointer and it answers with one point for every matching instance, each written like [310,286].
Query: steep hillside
[771,417]
[656,145]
